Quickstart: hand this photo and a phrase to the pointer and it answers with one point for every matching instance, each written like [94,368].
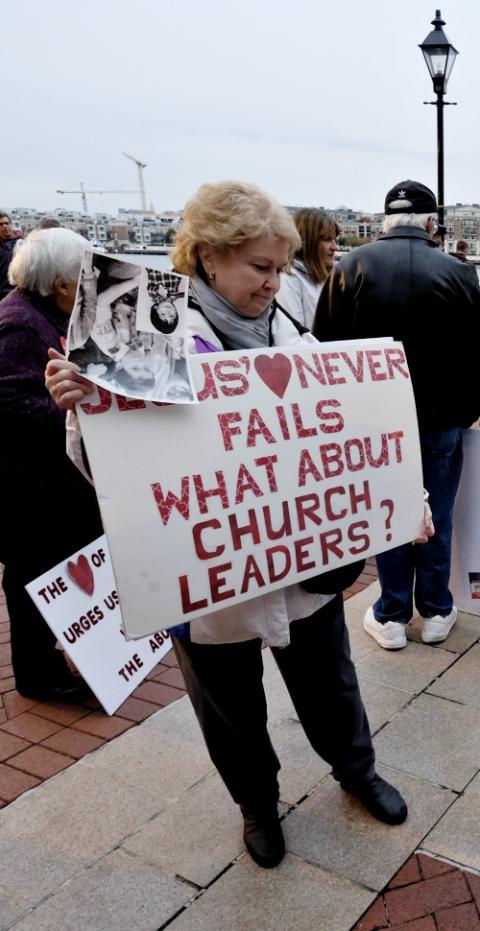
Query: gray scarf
[235,331]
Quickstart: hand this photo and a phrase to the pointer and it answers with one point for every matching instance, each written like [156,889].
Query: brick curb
[426,894]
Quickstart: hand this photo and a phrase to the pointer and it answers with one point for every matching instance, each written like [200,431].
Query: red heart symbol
[275,371]
[81,573]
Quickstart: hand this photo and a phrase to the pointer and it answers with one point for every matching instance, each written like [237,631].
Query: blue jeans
[422,572]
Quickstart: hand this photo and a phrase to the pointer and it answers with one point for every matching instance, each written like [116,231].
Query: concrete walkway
[141,834]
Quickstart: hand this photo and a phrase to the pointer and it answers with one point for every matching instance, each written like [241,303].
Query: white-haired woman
[234,243]
[39,486]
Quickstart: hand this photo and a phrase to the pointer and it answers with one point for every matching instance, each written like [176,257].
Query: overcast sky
[318,102]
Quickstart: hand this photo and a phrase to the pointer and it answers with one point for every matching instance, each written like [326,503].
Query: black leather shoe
[72,693]
[77,691]
[263,838]
[381,799]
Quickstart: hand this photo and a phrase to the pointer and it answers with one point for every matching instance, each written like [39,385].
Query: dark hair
[163,326]
[3,213]
[130,298]
[462,246]
[314,225]
[47,223]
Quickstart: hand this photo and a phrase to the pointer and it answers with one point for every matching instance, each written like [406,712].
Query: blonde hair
[44,256]
[225,215]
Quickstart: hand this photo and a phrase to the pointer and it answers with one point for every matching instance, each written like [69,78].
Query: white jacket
[299,295]
[267,616]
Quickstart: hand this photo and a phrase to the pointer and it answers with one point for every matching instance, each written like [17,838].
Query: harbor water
[149,260]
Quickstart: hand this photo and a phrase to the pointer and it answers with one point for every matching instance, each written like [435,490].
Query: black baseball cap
[411,197]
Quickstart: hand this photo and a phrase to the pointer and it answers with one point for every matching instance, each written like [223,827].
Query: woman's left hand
[428,529]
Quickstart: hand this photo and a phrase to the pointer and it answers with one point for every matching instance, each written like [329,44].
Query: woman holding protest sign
[39,487]
[234,244]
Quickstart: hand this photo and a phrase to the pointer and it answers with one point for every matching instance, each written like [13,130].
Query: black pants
[37,665]
[224,683]
[37,494]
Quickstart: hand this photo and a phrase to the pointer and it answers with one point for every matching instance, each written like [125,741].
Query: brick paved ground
[426,895]
[40,739]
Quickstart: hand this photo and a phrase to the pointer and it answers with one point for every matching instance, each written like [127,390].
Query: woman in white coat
[301,285]
[234,244]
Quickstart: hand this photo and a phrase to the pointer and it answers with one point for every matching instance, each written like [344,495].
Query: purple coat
[39,485]
[29,325]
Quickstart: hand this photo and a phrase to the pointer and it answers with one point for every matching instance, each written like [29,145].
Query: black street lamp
[440,56]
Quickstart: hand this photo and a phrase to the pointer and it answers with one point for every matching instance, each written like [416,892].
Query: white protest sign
[465,575]
[79,602]
[295,461]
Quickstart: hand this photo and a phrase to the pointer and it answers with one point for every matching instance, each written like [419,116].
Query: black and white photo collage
[128,330]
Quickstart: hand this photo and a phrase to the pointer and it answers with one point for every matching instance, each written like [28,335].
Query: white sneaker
[390,636]
[437,628]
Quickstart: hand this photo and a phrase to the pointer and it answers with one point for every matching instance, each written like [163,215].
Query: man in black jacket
[461,253]
[403,286]
[8,238]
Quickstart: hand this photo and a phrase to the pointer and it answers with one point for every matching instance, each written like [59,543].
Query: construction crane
[140,166]
[81,190]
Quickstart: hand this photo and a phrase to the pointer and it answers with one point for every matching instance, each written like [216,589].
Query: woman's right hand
[64,382]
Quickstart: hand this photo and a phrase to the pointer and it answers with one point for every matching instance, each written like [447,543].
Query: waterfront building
[129,228]
[134,228]
[463,222]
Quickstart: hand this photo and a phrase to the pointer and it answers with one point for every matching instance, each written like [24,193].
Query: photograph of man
[164,316]
[103,282]
[162,304]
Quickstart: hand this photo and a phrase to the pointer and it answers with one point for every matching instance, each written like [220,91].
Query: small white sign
[465,576]
[79,601]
